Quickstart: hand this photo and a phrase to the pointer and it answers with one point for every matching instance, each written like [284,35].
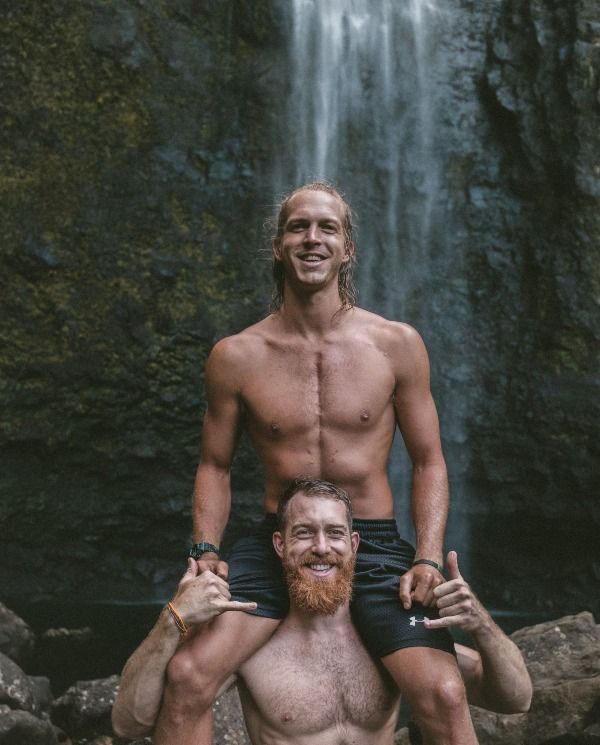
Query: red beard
[315,594]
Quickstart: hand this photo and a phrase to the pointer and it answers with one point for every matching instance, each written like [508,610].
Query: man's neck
[311,314]
[309,622]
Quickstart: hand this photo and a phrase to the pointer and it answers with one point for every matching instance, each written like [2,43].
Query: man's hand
[201,597]
[211,563]
[457,604]
[418,584]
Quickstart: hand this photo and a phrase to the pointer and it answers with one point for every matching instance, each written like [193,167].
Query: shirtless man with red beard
[313,682]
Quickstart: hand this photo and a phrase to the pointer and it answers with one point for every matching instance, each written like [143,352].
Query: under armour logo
[414,620]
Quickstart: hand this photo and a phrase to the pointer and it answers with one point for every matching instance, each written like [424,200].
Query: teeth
[319,567]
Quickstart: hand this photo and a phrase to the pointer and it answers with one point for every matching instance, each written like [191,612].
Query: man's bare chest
[300,388]
[316,687]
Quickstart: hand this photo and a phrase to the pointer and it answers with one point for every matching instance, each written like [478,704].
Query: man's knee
[444,696]
[191,681]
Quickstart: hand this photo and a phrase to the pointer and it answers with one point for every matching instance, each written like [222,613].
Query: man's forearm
[142,681]
[429,504]
[505,682]
[211,503]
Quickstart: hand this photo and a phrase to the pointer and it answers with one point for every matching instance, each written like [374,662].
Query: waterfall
[362,110]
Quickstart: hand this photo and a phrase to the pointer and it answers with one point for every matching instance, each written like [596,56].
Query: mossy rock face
[135,174]
[536,283]
[129,162]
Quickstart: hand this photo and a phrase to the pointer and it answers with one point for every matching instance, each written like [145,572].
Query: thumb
[192,568]
[452,564]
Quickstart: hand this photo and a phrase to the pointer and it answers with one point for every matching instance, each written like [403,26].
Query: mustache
[310,558]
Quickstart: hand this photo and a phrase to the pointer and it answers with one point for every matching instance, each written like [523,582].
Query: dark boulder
[16,689]
[16,638]
[23,728]
[84,710]
[563,658]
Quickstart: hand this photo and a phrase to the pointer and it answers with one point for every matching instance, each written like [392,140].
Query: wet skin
[322,401]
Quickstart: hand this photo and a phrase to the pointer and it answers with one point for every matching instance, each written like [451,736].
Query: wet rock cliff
[135,149]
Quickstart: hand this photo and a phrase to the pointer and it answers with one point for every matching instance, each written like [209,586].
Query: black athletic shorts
[255,575]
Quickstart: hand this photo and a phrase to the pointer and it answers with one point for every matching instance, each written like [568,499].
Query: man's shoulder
[238,348]
[387,332]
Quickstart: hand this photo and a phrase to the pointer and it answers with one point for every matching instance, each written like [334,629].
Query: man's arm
[495,675]
[211,502]
[418,421]
[198,599]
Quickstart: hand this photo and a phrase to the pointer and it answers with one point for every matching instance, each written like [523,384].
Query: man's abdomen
[360,472]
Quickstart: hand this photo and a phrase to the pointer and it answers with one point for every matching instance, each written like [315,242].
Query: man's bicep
[220,429]
[415,408]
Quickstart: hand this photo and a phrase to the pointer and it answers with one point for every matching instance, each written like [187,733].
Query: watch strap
[430,563]
[203,547]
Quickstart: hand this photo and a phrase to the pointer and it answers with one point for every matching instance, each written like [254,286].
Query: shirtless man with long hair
[320,386]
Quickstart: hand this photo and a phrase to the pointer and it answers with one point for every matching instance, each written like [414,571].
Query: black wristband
[430,563]
[198,549]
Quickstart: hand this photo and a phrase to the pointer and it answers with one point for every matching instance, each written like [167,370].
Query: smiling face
[318,552]
[313,247]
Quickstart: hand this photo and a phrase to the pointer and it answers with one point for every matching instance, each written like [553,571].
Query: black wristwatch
[198,549]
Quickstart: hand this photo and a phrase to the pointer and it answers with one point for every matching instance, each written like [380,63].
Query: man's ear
[354,540]
[278,543]
[276,248]
[349,252]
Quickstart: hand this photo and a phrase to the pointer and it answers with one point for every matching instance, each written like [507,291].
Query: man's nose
[313,234]
[320,544]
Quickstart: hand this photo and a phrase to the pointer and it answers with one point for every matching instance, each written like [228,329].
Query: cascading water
[363,112]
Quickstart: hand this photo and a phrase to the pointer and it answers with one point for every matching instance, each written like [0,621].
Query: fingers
[206,584]
[207,565]
[429,598]
[418,585]
[406,583]
[209,580]
[452,564]
[455,595]
[238,605]
[425,580]
[442,623]
[190,572]
[222,569]
[214,565]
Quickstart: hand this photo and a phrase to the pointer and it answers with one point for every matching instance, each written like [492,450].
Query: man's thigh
[255,572]
[213,653]
[380,618]
[417,670]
